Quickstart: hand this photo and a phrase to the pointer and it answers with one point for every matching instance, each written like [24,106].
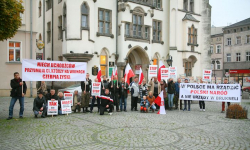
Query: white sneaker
[203,109]
[110,114]
[200,109]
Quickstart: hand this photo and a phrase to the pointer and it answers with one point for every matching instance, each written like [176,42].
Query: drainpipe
[116,32]
[31,42]
[44,29]
[52,37]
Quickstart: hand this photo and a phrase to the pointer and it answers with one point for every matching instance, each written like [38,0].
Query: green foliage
[10,19]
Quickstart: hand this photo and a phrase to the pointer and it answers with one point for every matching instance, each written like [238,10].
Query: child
[144,104]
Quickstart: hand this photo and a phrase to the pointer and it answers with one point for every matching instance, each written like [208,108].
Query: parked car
[246,89]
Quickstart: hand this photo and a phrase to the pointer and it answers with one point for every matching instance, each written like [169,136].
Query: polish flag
[161,65]
[141,76]
[114,72]
[128,74]
[160,102]
[99,74]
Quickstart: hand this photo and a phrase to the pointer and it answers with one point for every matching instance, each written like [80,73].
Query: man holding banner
[86,89]
[223,103]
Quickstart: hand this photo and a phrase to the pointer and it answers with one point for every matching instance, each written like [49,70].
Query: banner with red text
[96,89]
[69,96]
[66,106]
[207,74]
[210,92]
[43,70]
[165,74]
[152,71]
[173,73]
[52,108]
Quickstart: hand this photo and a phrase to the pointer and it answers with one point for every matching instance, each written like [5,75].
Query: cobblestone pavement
[124,130]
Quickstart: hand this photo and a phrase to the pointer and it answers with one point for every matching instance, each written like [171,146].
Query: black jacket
[104,83]
[88,86]
[105,102]
[59,102]
[171,88]
[124,92]
[49,97]
[114,89]
[38,103]
[16,90]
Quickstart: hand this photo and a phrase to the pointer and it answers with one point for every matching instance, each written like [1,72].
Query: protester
[185,101]
[223,103]
[18,90]
[104,84]
[177,92]
[60,98]
[151,100]
[155,87]
[135,94]
[86,90]
[43,88]
[131,91]
[94,98]
[163,87]
[39,105]
[76,102]
[171,91]
[114,89]
[144,104]
[143,89]
[51,96]
[106,103]
[202,103]
[123,94]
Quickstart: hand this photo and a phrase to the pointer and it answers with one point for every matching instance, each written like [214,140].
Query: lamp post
[213,62]
[169,61]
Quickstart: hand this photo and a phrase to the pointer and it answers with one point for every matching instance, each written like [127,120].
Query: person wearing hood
[171,91]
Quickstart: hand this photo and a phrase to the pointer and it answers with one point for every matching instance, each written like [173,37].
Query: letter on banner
[152,71]
[52,107]
[96,89]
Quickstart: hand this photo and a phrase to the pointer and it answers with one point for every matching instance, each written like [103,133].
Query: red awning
[239,71]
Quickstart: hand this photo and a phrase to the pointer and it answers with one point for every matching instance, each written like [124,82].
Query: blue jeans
[170,100]
[153,107]
[12,104]
[125,102]
[93,103]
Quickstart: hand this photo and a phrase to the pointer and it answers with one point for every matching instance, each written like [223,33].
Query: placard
[52,107]
[207,74]
[66,106]
[165,74]
[69,96]
[96,89]
[152,71]
[137,69]
[173,73]
[210,92]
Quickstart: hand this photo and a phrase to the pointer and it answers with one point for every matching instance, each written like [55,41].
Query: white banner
[96,89]
[207,74]
[173,72]
[69,96]
[152,71]
[66,106]
[52,107]
[43,70]
[210,92]
[165,74]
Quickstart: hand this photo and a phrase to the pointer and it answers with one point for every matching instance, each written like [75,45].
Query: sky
[226,12]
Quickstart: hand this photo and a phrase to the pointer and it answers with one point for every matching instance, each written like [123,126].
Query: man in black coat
[104,84]
[51,96]
[123,94]
[17,92]
[106,103]
[39,105]
[114,86]
[86,92]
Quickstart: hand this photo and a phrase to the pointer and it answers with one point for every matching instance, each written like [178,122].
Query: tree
[10,19]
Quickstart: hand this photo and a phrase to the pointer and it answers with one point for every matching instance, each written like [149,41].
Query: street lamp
[169,61]
[213,62]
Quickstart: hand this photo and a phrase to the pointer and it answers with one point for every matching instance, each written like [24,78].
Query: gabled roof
[190,17]
[241,23]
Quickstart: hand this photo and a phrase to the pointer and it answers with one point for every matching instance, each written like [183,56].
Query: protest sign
[165,74]
[210,92]
[173,72]
[152,71]
[207,74]
[43,70]
[69,96]
[52,107]
[66,106]
[246,81]
[96,89]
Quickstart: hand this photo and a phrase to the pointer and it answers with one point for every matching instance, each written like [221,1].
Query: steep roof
[241,23]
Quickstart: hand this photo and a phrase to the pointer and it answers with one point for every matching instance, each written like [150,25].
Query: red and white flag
[128,74]
[161,65]
[114,73]
[160,102]
[99,74]
[141,76]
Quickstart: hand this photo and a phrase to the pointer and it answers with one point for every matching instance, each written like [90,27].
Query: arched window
[64,16]
[85,15]
[103,62]
[192,37]
[40,9]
